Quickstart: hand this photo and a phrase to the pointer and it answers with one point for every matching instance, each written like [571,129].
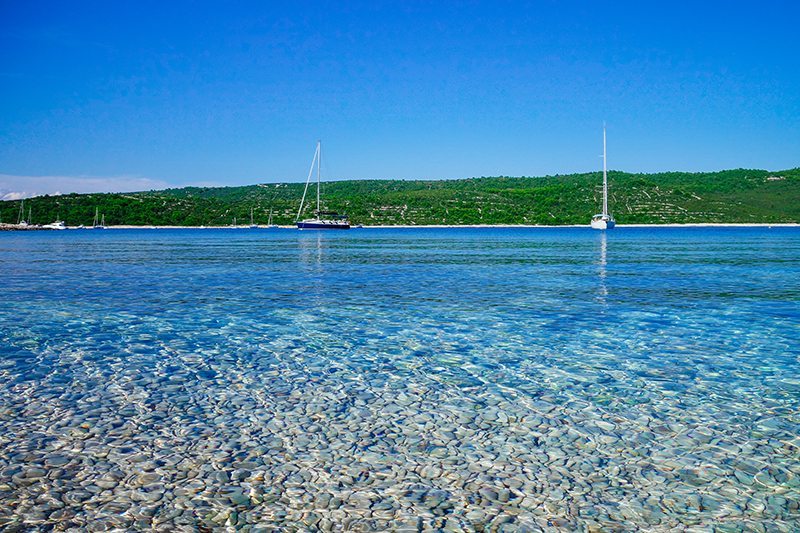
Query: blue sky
[128,95]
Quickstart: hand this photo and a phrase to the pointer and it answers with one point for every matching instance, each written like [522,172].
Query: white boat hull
[602,223]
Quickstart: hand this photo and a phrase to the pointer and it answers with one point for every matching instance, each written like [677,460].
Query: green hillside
[674,197]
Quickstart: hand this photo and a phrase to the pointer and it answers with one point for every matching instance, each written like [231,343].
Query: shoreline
[671,225]
[488,226]
[15,227]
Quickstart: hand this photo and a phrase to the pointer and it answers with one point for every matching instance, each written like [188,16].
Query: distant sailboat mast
[604,220]
[253,225]
[605,175]
[319,164]
[308,179]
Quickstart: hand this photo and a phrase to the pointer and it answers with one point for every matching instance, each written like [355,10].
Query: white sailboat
[252,225]
[323,219]
[21,217]
[98,223]
[269,222]
[604,220]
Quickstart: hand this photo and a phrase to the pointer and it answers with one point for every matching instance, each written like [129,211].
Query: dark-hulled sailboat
[322,219]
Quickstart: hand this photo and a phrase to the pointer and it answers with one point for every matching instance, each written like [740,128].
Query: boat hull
[603,223]
[322,225]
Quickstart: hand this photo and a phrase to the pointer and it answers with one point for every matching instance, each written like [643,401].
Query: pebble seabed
[144,422]
[265,446]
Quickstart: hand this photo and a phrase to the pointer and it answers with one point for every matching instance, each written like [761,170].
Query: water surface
[509,379]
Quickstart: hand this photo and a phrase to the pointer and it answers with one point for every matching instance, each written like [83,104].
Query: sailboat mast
[308,181]
[21,211]
[605,175]
[319,164]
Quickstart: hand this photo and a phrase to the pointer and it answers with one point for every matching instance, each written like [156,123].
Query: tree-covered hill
[742,195]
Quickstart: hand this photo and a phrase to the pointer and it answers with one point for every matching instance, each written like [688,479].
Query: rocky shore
[21,227]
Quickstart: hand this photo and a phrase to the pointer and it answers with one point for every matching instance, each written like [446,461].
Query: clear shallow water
[509,379]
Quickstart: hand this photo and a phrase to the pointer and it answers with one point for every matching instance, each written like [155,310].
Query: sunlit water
[377,379]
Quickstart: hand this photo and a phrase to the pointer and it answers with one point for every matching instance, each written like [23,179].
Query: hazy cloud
[16,187]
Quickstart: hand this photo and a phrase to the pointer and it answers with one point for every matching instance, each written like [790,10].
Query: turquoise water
[379,379]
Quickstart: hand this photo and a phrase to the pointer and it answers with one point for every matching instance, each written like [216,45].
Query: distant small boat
[58,224]
[269,221]
[98,223]
[252,225]
[21,218]
[604,220]
[323,219]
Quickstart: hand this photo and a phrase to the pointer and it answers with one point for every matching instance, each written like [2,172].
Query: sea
[378,379]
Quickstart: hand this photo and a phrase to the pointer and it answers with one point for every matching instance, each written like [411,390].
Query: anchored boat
[270,225]
[21,218]
[604,220]
[98,223]
[58,224]
[322,219]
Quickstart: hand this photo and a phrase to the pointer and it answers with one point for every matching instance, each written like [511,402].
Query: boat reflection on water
[603,288]
[311,252]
